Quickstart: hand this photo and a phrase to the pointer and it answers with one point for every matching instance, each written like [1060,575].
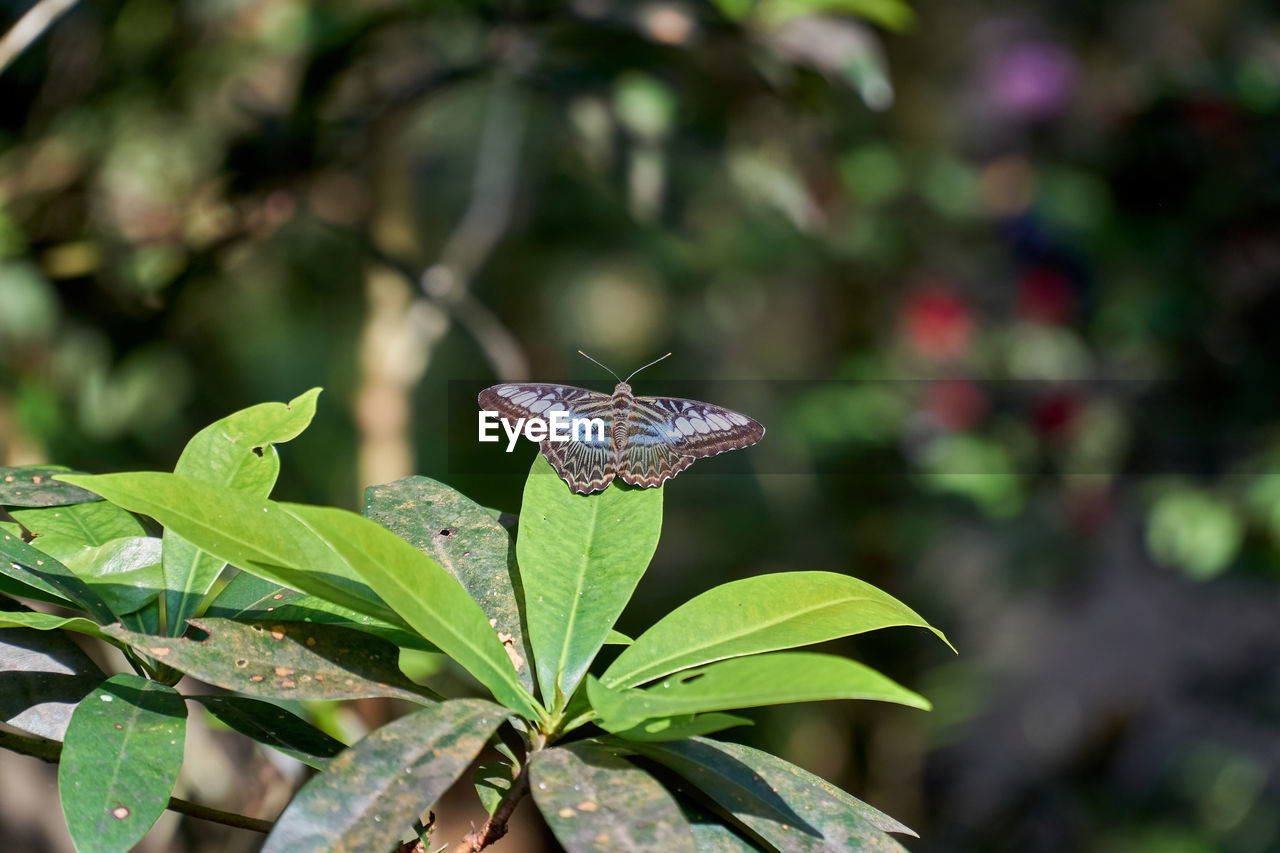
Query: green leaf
[425,596]
[238,451]
[256,535]
[581,557]
[65,532]
[120,760]
[467,541]
[372,792]
[891,14]
[125,572]
[273,726]
[758,614]
[748,682]
[786,806]
[32,567]
[34,486]
[684,726]
[249,598]
[492,780]
[282,660]
[49,622]
[327,552]
[712,836]
[45,676]
[617,638]
[596,801]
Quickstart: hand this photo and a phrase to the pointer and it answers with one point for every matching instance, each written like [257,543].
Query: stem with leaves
[51,751]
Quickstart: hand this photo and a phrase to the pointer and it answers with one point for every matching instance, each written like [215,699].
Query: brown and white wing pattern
[586,465]
[666,434]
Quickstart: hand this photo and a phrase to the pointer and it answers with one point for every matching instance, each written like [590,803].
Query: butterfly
[649,440]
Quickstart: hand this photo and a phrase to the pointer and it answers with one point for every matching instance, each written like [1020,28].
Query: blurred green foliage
[1032,245]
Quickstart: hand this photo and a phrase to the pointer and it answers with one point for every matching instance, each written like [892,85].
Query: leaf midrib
[577,598]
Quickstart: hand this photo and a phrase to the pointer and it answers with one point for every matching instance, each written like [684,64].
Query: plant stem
[51,751]
[30,27]
[209,813]
[496,826]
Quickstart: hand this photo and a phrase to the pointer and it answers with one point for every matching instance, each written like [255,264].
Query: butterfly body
[648,439]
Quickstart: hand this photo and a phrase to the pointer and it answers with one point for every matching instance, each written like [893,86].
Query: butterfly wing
[666,435]
[587,464]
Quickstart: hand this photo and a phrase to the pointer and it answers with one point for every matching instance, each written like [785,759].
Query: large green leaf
[43,676]
[680,727]
[120,759]
[64,532]
[371,794]
[788,807]
[254,534]
[104,546]
[581,557]
[425,596]
[595,801]
[748,682]
[758,614]
[468,542]
[283,660]
[712,836]
[34,568]
[49,622]
[238,451]
[249,598]
[273,726]
[330,553]
[125,572]
[34,486]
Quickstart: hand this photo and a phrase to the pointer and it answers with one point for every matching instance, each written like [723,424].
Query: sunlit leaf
[426,596]
[238,451]
[34,568]
[748,682]
[467,541]
[581,557]
[758,614]
[684,726]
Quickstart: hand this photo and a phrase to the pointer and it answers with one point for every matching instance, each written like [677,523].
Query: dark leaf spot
[257,451]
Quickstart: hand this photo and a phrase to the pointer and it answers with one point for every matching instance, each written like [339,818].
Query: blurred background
[1001,278]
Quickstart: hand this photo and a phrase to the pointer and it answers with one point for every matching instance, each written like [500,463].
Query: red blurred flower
[1054,414]
[955,404]
[1045,296]
[937,323]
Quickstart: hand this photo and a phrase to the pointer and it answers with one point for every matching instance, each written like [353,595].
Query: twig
[209,813]
[496,826]
[51,751]
[482,226]
[30,27]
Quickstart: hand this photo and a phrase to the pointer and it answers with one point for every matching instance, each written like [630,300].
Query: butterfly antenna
[650,364]
[611,373]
